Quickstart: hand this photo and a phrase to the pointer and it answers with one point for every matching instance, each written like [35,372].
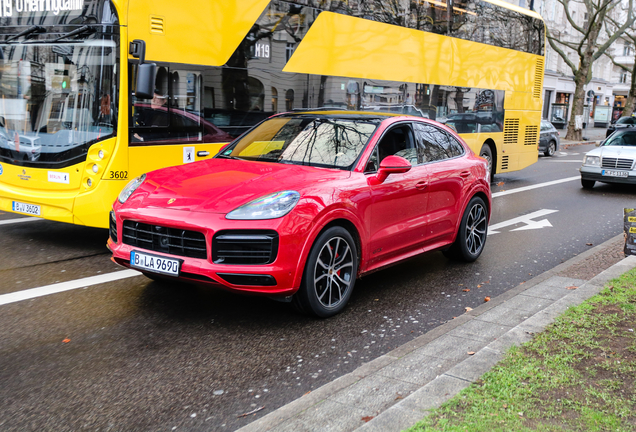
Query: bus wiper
[33,29]
[83,29]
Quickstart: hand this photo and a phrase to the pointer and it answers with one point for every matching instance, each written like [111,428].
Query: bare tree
[587,46]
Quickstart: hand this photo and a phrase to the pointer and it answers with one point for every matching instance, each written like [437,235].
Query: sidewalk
[395,391]
[593,135]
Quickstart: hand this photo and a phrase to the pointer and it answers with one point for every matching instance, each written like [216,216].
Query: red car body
[390,219]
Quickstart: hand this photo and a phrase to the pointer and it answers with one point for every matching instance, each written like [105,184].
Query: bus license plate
[154,263]
[30,209]
[612,173]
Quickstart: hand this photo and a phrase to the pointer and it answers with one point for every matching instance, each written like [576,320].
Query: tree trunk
[577,106]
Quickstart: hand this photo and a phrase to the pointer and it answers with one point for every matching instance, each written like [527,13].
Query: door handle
[465,174]
[421,185]
[203,153]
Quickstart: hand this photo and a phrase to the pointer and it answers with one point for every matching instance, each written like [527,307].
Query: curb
[436,366]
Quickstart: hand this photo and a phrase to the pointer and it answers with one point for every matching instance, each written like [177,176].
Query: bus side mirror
[146,72]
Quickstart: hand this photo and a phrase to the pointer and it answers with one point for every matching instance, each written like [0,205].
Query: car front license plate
[155,263]
[612,173]
[30,209]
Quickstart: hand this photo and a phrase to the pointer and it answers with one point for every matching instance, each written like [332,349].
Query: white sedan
[612,161]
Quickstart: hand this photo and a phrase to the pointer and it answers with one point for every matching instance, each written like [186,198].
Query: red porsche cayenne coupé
[305,203]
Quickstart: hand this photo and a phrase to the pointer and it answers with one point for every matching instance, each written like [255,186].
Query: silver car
[548,138]
[612,161]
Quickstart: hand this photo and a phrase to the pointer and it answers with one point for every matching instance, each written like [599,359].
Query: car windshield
[321,141]
[58,95]
[621,139]
[625,120]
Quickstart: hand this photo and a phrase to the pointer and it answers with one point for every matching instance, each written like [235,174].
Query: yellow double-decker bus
[96,92]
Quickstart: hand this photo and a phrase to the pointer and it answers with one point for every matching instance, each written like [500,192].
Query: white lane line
[19,220]
[580,161]
[536,186]
[65,286]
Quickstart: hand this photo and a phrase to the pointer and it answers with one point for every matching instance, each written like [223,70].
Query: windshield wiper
[83,29]
[33,29]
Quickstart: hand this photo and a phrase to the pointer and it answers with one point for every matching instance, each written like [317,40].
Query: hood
[222,185]
[622,152]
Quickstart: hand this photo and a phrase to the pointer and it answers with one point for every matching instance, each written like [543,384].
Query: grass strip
[578,374]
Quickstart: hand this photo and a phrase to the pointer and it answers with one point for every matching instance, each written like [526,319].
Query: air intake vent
[113,227]
[504,163]
[245,247]
[156,25]
[157,238]
[532,136]
[511,131]
[538,79]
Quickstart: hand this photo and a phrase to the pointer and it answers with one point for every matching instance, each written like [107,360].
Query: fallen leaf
[572,287]
[251,412]
[478,286]
[367,419]
[399,396]
[589,244]
[468,309]
[307,393]
[505,405]
[471,353]
[466,290]
[521,414]
[501,183]
[67,340]
[487,299]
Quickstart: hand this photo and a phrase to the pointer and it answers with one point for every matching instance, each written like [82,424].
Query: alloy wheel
[476,226]
[333,273]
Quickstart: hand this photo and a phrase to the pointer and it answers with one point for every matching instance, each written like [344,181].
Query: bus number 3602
[118,175]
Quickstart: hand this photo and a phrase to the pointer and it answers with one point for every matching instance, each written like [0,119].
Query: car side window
[436,144]
[398,141]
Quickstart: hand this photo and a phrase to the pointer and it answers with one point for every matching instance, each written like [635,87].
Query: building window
[627,50]
[624,78]
[289,50]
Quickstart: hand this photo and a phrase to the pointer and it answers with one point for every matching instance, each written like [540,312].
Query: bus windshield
[56,99]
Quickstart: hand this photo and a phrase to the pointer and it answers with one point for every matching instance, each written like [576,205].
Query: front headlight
[592,161]
[130,188]
[270,206]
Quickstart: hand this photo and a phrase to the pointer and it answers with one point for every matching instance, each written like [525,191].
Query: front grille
[112,226]
[617,163]
[174,241]
[245,247]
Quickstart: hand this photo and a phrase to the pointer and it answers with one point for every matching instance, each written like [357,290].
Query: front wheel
[472,234]
[550,149]
[587,184]
[330,274]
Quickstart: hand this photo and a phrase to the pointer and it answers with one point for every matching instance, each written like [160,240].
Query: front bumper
[596,174]
[279,278]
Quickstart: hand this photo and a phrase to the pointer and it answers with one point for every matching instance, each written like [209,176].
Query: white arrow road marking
[526,219]
[544,223]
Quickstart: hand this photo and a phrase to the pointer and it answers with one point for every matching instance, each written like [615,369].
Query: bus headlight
[592,161]
[95,168]
[101,154]
[130,188]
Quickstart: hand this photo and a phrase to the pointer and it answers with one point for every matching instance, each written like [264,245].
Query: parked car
[548,138]
[612,161]
[304,203]
[621,123]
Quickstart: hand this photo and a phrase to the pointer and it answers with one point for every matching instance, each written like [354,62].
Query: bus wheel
[486,153]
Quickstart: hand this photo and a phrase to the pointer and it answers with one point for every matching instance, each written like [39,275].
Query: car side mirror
[390,165]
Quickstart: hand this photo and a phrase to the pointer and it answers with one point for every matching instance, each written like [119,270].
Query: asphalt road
[136,355]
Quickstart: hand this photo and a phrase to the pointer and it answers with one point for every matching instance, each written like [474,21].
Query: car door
[396,216]
[544,135]
[449,175]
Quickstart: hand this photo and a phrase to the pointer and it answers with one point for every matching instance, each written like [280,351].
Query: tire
[486,153]
[472,233]
[550,149]
[587,184]
[329,277]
